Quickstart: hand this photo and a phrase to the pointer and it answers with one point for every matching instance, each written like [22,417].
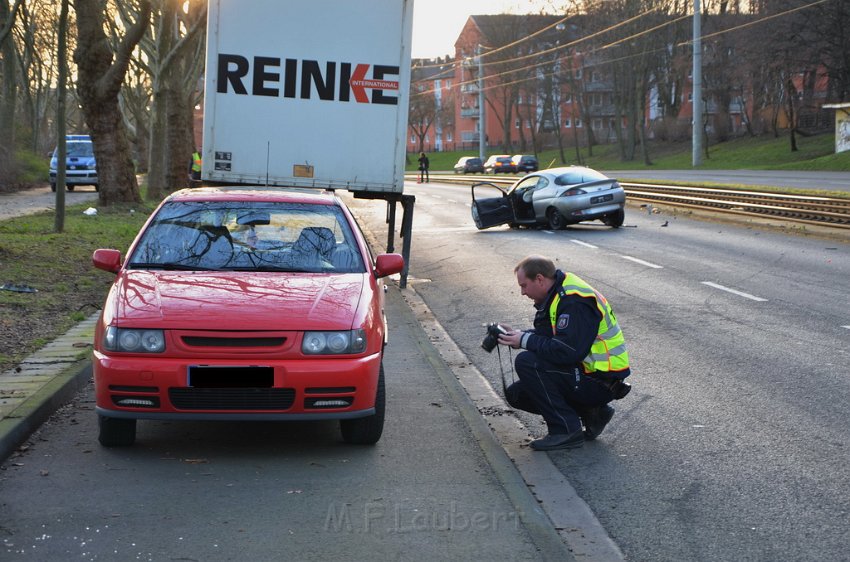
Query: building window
[595,77]
[449,137]
[567,123]
[577,74]
[568,98]
[516,124]
[412,139]
[597,124]
[578,123]
[448,84]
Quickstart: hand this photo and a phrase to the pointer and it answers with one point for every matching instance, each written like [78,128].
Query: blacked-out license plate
[601,199]
[215,376]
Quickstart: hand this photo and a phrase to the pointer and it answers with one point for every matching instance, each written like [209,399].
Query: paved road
[40,199]
[732,443]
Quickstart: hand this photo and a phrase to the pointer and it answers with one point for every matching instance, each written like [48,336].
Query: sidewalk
[441,480]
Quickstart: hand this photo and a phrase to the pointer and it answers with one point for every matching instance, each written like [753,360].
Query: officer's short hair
[533,265]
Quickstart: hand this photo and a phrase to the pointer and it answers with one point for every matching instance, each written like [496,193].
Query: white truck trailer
[307,94]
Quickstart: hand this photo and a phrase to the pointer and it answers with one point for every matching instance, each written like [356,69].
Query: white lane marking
[734,292]
[585,244]
[646,263]
[848,327]
[451,200]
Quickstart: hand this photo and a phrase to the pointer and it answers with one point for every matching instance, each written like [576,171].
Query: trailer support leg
[391,229]
[407,202]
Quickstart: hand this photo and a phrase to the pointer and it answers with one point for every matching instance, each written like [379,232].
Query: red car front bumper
[178,388]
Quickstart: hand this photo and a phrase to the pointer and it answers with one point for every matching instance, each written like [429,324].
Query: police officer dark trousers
[560,396]
[572,360]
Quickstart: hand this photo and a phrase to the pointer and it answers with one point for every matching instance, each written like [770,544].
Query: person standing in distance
[574,361]
[424,164]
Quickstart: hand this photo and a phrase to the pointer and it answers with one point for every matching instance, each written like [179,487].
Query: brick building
[542,90]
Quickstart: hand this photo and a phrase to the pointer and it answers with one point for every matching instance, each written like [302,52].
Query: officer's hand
[512,339]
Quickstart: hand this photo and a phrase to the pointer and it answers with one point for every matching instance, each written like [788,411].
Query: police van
[80,165]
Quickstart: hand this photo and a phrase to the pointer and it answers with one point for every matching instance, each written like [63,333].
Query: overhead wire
[573,43]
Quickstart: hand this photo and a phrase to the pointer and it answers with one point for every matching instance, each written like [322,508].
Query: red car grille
[200,341]
[232,398]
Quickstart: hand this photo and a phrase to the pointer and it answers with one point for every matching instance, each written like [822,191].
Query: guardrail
[816,210]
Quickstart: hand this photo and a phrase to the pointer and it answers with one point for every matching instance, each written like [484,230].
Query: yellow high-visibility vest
[608,352]
[196,162]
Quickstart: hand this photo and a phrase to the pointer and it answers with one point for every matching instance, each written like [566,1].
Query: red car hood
[234,300]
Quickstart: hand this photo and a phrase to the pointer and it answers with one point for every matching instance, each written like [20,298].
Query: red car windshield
[248,236]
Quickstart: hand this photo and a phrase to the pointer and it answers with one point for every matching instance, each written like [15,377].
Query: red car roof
[241,193]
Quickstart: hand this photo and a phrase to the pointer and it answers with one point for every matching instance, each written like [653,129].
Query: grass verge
[815,153]
[58,266]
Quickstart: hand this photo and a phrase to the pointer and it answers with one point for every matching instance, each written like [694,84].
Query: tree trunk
[158,160]
[9,96]
[792,114]
[98,85]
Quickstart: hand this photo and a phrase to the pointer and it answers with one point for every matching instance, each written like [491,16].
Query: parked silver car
[555,198]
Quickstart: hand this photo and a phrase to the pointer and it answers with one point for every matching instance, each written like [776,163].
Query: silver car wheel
[556,219]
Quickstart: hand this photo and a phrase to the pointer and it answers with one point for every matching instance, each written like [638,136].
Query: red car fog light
[136,401]
[328,402]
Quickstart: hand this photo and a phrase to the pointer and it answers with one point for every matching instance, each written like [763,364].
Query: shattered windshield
[248,236]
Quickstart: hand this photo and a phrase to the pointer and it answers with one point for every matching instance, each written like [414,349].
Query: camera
[620,389]
[491,340]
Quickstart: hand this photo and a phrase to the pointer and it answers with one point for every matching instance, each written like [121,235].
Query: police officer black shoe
[559,441]
[595,421]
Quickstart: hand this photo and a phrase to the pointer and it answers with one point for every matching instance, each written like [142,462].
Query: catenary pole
[482,128]
[696,96]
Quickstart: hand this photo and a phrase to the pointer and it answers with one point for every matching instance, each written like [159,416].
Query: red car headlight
[334,343]
[131,340]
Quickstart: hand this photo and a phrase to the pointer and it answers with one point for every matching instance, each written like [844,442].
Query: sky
[437,23]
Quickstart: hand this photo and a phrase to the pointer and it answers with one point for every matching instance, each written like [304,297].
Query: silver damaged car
[552,198]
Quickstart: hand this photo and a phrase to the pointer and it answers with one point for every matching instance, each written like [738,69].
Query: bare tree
[8,70]
[422,113]
[101,72]
[174,62]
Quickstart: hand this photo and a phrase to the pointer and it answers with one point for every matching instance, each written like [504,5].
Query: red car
[244,304]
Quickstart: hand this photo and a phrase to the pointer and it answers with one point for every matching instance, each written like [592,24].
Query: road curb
[42,382]
[529,476]
[25,419]
[535,520]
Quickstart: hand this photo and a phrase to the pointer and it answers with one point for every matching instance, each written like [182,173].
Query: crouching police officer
[574,360]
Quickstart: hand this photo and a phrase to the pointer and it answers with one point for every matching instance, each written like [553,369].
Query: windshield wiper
[171,266]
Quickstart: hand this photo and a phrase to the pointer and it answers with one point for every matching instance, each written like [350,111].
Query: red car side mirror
[107,260]
[388,264]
